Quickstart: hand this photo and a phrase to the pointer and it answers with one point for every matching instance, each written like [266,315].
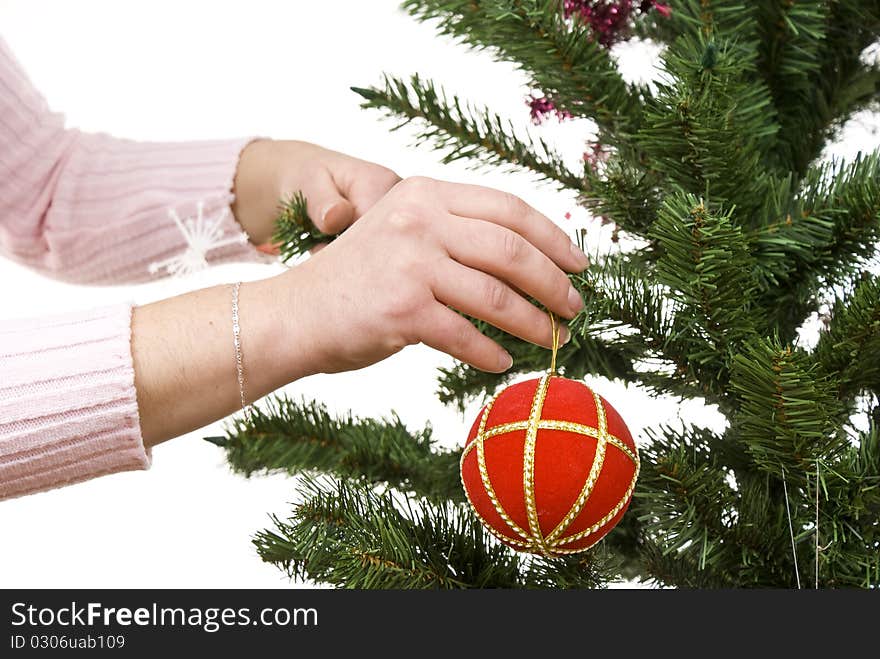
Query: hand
[386,282]
[338,188]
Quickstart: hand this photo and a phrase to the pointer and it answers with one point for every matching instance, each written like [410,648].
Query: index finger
[508,210]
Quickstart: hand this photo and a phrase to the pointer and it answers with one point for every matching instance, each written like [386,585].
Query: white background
[164,70]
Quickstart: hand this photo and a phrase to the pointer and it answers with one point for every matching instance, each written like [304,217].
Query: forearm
[184,359]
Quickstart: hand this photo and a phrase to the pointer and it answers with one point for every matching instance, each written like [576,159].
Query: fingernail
[575,301]
[564,335]
[505,362]
[326,211]
[582,258]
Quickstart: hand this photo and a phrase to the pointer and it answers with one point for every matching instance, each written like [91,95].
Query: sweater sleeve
[95,209]
[68,408]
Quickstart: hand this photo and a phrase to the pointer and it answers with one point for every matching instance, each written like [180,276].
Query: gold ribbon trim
[553,544]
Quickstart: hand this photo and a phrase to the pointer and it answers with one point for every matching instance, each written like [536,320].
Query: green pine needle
[464,131]
[351,536]
[295,233]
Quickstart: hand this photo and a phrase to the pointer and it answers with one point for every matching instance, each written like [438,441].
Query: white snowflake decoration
[202,236]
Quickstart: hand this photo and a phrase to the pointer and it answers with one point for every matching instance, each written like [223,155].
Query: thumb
[329,210]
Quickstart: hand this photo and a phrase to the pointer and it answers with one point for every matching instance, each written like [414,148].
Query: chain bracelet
[239,361]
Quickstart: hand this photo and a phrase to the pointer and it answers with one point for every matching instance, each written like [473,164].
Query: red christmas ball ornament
[549,466]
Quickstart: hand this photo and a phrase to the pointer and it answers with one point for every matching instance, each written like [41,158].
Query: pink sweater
[92,209]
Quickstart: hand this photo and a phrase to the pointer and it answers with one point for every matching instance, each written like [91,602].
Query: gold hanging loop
[554,329]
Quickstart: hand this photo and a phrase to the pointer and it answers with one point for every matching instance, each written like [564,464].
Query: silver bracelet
[239,362]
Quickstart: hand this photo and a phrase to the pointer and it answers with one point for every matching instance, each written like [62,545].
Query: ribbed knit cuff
[113,212]
[68,407]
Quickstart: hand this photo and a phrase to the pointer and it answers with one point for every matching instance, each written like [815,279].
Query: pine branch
[784,250]
[848,523]
[823,235]
[849,526]
[674,570]
[710,128]
[627,309]
[684,504]
[847,194]
[792,36]
[629,194]
[465,132]
[849,350]
[350,536]
[789,414]
[560,57]
[755,547]
[591,569]
[291,437]
[762,537]
[843,85]
[714,17]
[710,524]
[707,266]
[295,233]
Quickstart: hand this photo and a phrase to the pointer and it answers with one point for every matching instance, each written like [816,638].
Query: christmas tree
[736,234]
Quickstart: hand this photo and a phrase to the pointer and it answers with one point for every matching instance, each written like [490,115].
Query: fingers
[327,207]
[505,254]
[336,199]
[454,334]
[272,249]
[512,212]
[365,184]
[483,296]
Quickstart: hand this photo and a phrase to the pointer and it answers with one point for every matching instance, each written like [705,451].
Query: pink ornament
[609,21]
[542,107]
